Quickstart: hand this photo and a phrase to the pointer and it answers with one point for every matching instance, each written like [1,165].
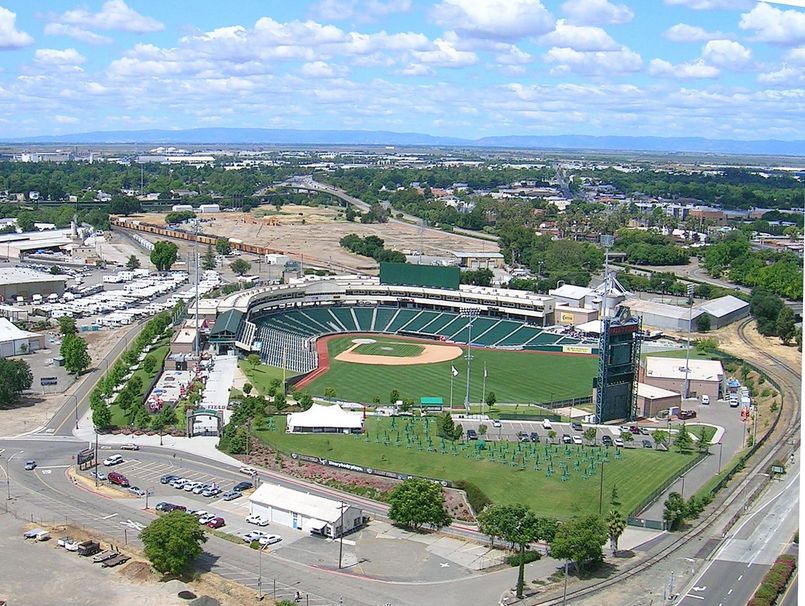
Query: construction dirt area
[312,234]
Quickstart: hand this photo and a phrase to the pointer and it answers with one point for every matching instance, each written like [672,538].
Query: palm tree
[616,524]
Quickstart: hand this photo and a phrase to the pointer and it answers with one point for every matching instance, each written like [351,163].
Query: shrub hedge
[476,497]
[528,557]
[775,581]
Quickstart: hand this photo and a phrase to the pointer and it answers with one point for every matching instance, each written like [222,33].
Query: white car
[113,460]
[705,399]
[257,520]
[129,446]
[189,486]
[577,440]
[619,442]
[495,423]
[200,513]
[270,539]
[254,535]
[206,518]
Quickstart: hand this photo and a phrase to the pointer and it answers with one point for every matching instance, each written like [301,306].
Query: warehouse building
[724,310]
[15,341]
[705,377]
[721,311]
[19,282]
[304,511]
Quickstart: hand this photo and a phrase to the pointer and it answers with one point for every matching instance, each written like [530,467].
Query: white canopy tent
[325,419]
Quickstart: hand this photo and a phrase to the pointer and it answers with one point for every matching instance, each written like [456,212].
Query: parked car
[546,424]
[119,479]
[130,446]
[179,483]
[163,506]
[606,440]
[200,488]
[472,434]
[270,539]
[136,490]
[619,442]
[566,439]
[30,465]
[206,518]
[211,492]
[534,436]
[199,513]
[241,486]
[71,545]
[522,436]
[167,479]
[113,460]
[254,535]
[577,440]
[496,423]
[216,522]
[88,548]
[576,426]
[231,495]
[101,475]
[647,444]
[705,399]
[257,520]
[634,429]
[62,541]
[249,471]
[189,486]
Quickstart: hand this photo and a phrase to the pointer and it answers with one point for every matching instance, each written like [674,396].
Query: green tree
[240,267]
[491,399]
[67,326]
[15,377]
[482,429]
[683,441]
[208,260]
[247,388]
[551,435]
[703,323]
[164,255]
[222,246]
[253,360]
[394,396]
[614,498]
[101,416]
[329,393]
[580,540]
[703,443]
[616,524]
[785,325]
[414,503]
[675,510]
[133,262]
[280,401]
[518,525]
[149,364]
[172,541]
[74,351]
[590,435]
[660,436]
[305,400]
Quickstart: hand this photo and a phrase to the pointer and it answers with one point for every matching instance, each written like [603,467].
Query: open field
[508,472]
[317,238]
[261,376]
[514,376]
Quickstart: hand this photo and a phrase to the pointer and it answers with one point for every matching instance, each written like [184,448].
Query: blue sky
[469,68]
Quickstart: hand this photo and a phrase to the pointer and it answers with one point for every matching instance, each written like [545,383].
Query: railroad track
[709,519]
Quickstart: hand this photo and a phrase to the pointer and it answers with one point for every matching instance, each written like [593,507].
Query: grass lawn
[398,350]
[160,353]
[695,354]
[514,376]
[260,376]
[498,471]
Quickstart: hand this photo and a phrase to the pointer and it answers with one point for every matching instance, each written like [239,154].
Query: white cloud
[581,38]
[53,56]
[115,15]
[79,33]
[569,60]
[10,37]
[445,54]
[726,54]
[796,55]
[596,12]
[770,24]
[708,5]
[682,32]
[359,10]
[786,76]
[62,119]
[494,19]
[320,69]
[513,56]
[697,69]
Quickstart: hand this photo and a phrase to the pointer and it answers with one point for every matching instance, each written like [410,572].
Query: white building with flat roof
[705,377]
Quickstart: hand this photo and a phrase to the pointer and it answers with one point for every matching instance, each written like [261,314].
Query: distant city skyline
[721,69]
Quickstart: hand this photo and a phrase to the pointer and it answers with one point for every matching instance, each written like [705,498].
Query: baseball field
[363,368]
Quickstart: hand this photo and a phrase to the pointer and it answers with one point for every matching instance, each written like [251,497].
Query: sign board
[777,469]
[85,456]
[577,349]
[48,381]
[566,317]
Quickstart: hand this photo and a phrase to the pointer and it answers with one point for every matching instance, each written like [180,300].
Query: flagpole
[452,376]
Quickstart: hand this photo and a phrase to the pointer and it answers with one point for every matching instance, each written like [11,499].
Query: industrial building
[722,311]
[20,282]
[15,341]
[705,377]
[304,511]
[651,400]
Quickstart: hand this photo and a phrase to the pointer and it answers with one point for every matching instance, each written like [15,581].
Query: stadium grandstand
[282,322]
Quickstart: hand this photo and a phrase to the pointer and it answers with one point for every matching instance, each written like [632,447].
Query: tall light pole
[341,536]
[601,490]
[471,313]
[198,336]
[686,390]
[260,571]
[76,409]
[720,448]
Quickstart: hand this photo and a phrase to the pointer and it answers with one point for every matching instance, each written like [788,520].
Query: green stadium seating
[383,317]
[364,316]
[344,316]
[434,326]
[518,337]
[498,332]
[453,326]
[419,321]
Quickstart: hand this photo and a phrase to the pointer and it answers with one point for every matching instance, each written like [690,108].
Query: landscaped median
[775,581]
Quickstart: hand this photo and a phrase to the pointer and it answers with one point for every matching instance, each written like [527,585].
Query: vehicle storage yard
[318,237]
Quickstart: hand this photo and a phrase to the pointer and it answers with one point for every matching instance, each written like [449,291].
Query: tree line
[373,247]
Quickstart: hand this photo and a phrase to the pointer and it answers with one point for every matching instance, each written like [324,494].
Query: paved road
[743,559]
[77,403]
[48,495]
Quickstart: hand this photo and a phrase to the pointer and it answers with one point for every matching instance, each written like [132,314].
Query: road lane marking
[111,515]
[695,597]
[729,592]
[740,577]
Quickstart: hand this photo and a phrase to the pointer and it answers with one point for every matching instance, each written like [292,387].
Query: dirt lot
[317,239]
[36,409]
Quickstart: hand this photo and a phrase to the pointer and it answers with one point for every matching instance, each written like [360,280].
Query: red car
[216,523]
[118,478]
[634,429]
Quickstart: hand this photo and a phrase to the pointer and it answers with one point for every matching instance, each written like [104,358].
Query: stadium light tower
[686,392]
[471,313]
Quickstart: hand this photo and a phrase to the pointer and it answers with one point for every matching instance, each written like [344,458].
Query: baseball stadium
[410,330]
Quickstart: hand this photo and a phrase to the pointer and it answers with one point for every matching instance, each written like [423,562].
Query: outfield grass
[260,376]
[387,348]
[517,377]
[637,474]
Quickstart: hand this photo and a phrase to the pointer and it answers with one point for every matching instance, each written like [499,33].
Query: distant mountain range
[266,136]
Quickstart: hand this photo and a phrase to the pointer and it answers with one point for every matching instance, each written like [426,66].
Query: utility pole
[341,537]
[96,458]
[198,337]
[564,592]
[686,390]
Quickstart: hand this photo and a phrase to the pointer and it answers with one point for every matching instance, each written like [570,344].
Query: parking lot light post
[75,397]
[720,448]
[470,313]
[260,573]
[341,536]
